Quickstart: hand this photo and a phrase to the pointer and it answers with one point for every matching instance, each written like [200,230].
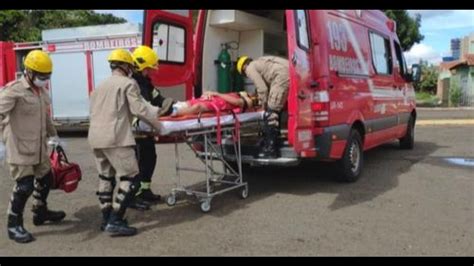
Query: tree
[408,28]
[26,25]
[11,23]
[429,78]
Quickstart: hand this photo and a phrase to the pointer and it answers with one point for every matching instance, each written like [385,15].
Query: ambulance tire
[407,142]
[349,167]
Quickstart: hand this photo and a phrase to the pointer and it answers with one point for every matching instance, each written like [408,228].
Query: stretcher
[208,130]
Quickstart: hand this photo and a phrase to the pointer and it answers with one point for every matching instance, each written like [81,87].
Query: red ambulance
[350,88]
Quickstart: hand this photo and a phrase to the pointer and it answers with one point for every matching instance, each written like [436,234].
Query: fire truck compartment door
[69,92]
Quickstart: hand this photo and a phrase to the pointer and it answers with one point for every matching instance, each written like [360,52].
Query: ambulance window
[400,60]
[302,32]
[381,54]
[168,42]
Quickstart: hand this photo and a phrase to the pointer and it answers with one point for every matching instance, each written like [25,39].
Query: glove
[166,107]
[144,127]
[54,141]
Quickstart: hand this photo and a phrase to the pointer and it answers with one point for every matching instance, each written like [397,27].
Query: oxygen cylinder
[224,71]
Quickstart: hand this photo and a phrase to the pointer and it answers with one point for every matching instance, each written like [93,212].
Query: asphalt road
[417,202]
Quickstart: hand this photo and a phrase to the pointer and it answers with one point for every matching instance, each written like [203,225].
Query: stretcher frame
[230,178]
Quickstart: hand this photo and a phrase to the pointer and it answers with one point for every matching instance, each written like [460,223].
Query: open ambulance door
[170,34]
[300,122]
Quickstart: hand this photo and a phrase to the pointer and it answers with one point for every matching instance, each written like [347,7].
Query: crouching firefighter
[146,61]
[270,76]
[112,107]
[25,125]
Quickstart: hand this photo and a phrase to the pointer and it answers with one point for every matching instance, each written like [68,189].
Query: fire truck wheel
[350,165]
[408,141]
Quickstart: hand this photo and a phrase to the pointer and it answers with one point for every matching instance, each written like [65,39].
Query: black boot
[117,226]
[42,214]
[16,231]
[138,203]
[271,132]
[105,217]
[269,149]
[148,195]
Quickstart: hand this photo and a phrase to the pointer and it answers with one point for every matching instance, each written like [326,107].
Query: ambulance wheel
[408,141]
[171,200]
[206,206]
[244,192]
[351,163]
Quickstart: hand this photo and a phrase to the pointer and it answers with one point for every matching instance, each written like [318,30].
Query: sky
[438,27]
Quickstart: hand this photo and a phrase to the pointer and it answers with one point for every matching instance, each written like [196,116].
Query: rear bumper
[330,144]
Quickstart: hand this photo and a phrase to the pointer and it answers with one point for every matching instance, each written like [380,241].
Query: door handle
[314,84]
[293,59]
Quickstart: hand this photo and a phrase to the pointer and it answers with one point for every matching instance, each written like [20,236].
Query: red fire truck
[350,88]
[79,62]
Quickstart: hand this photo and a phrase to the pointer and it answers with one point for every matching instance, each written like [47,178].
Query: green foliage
[408,29]
[429,78]
[454,93]
[26,25]
[426,99]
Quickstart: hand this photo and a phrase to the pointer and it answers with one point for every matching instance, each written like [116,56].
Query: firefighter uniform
[145,149]
[27,128]
[112,107]
[25,125]
[270,76]
[146,61]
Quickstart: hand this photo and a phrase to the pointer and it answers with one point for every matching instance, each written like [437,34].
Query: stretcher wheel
[244,193]
[171,200]
[206,206]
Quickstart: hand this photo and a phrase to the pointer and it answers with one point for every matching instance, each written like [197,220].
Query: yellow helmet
[240,63]
[120,55]
[39,61]
[145,57]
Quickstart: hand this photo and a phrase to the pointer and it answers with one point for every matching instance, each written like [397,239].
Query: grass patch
[426,99]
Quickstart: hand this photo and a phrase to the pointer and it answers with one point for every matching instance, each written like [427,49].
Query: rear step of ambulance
[250,150]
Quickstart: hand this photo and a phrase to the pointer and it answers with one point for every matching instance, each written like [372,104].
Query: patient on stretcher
[212,101]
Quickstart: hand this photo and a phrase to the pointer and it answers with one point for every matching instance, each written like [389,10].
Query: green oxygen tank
[224,70]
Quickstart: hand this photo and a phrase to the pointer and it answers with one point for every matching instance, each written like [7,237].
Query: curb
[446,108]
[441,122]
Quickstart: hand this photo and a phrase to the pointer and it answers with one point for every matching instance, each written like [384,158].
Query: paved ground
[417,202]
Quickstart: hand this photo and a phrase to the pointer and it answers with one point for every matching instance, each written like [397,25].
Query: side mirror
[415,73]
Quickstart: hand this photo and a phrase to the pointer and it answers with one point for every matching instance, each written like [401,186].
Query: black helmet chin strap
[30,75]
[124,69]
[121,66]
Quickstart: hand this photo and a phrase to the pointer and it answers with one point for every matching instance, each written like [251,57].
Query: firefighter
[113,105]
[146,61]
[25,125]
[270,76]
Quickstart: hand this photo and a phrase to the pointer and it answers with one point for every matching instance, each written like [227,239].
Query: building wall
[456,48]
[463,76]
[467,45]
[442,91]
